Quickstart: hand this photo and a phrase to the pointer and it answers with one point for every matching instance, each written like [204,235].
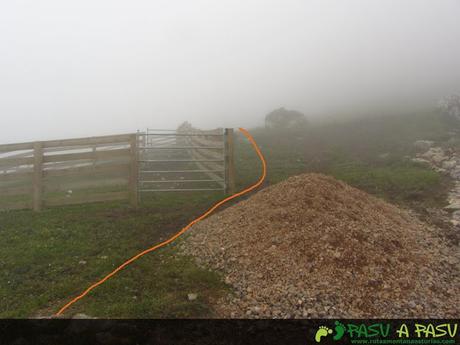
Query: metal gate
[185,160]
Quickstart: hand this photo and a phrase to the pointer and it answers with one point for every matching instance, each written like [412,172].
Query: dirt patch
[312,246]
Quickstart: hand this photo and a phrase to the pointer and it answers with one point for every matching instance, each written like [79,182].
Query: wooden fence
[72,171]
[117,167]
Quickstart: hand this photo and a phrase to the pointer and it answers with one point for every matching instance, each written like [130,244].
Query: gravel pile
[312,246]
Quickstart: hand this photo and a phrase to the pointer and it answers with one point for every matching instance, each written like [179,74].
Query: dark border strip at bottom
[178,332]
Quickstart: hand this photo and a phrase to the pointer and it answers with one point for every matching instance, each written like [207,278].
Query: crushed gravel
[312,246]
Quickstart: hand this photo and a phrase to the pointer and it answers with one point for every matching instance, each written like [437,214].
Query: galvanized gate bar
[180,181]
[180,171]
[180,160]
[183,148]
[168,157]
[183,135]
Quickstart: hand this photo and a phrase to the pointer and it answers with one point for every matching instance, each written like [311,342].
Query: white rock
[455,173]
[192,296]
[256,309]
[453,206]
[420,161]
[81,316]
[438,158]
[433,151]
[448,165]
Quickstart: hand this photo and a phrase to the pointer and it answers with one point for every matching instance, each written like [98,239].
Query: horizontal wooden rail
[28,153]
[101,147]
[15,162]
[47,173]
[16,176]
[87,155]
[108,139]
[88,170]
[80,170]
[16,147]
[124,138]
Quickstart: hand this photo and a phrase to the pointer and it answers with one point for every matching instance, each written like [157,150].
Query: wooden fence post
[229,162]
[37,199]
[94,155]
[133,178]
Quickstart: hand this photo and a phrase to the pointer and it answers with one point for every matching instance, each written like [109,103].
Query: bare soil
[312,246]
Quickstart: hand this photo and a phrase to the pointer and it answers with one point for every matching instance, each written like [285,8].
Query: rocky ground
[445,160]
[312,246]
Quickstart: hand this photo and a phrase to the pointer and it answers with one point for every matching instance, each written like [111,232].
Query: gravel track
[312,246]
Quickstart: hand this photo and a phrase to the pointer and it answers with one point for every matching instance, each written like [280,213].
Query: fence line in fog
[75,171]
[71,171]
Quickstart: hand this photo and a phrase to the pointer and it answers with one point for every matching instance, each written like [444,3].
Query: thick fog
[93,67]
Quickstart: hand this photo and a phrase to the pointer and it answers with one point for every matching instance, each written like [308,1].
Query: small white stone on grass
[82,316]
[192,296]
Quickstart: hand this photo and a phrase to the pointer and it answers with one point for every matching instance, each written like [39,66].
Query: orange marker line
[162,244]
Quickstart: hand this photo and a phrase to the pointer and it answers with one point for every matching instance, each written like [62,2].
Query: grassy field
[372,154]
[48,257]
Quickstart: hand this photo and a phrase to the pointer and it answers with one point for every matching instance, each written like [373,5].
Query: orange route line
[187,227]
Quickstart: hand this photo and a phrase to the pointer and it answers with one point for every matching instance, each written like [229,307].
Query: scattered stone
[192,296]
[448,165]
[342,252]
[82,262]
[444,161]
[438,158]
[455,173]
[420,161]
[453,206]
[81,316]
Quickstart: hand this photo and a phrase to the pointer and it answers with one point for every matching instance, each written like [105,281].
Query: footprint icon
[339,330]
[322,332]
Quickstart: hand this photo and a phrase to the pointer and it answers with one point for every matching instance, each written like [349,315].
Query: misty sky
[93,67]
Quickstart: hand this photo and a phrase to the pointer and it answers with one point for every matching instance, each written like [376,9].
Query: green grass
[372,154]
[40,253]
[398,182]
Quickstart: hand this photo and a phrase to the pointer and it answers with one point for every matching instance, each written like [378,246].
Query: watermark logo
[324,331]
[390,333]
